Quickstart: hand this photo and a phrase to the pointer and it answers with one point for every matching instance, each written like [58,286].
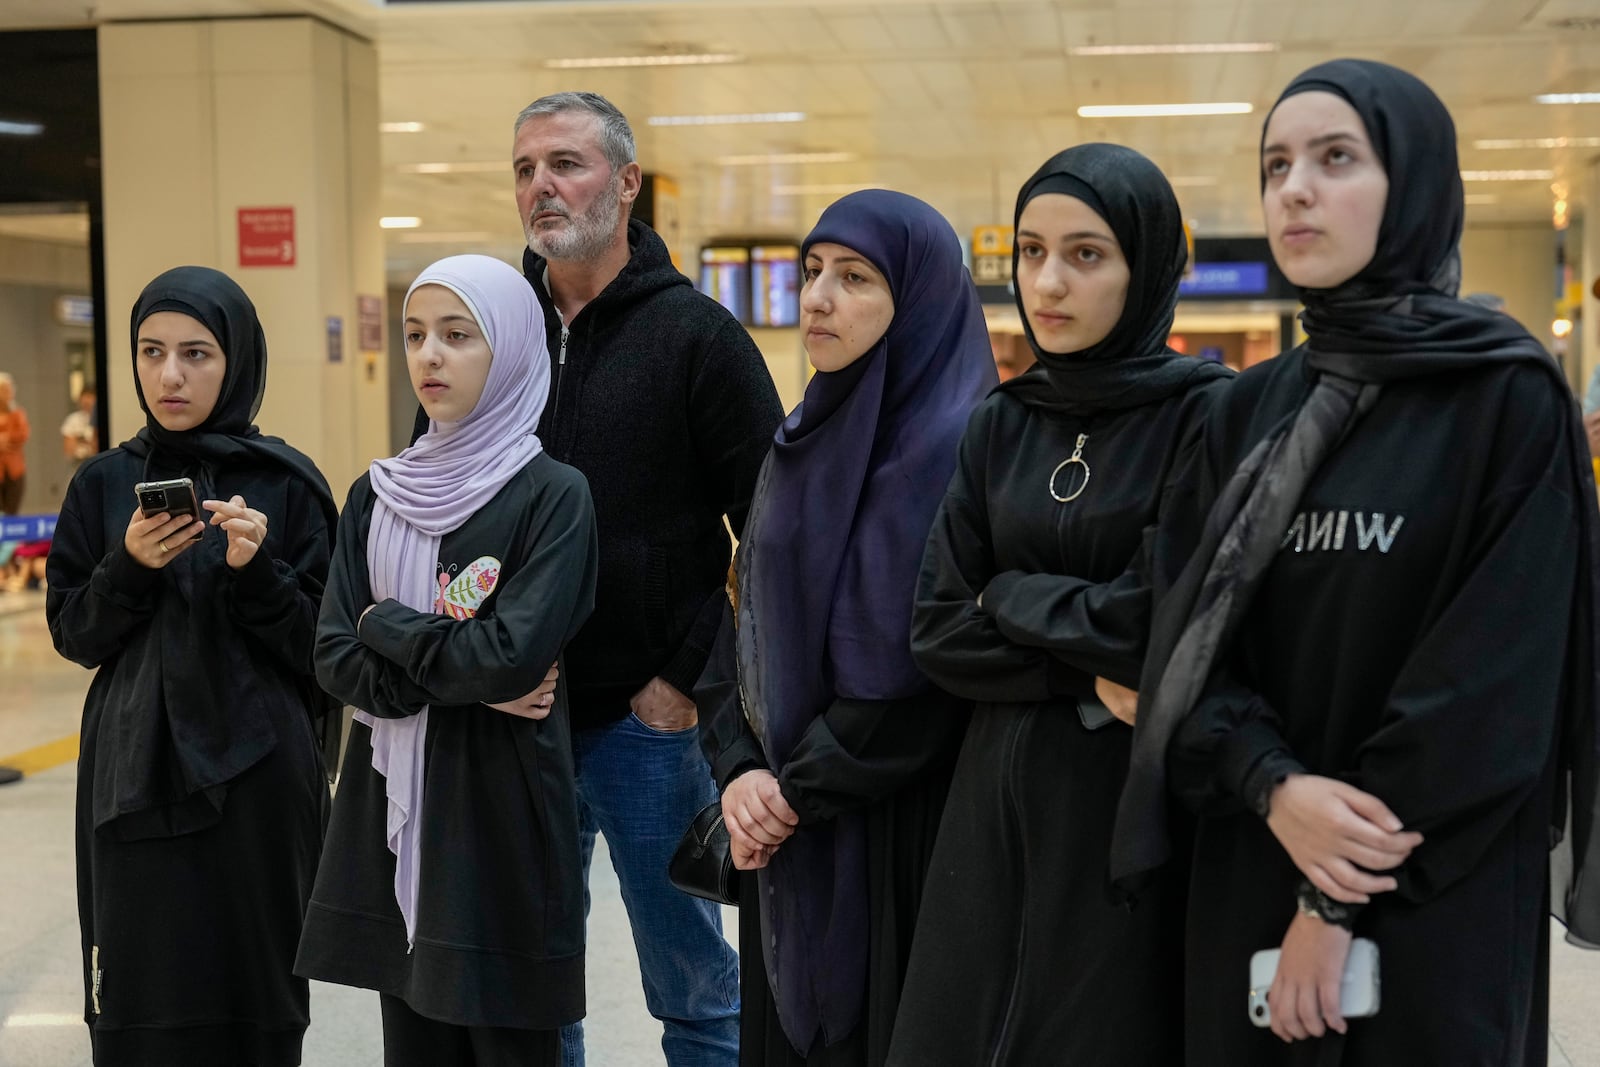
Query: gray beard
[587,236]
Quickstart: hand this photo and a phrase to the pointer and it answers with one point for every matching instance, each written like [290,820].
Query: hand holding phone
[1359,988]
[155,541]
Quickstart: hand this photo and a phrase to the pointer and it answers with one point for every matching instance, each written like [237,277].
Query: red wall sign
[266,237]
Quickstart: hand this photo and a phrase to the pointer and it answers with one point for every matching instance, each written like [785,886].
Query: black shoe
[9,775]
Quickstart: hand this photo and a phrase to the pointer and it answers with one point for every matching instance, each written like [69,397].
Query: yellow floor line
[34,760]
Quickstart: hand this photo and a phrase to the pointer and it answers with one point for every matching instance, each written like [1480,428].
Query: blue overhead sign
[27,527]
[1225,279]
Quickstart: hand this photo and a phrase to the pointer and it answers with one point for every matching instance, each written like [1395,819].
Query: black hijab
[827,573]
[1132,365]
[196,715]
[1397,319]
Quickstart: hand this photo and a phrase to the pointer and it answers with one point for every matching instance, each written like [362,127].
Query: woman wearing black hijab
[200,789]
[831,749]
[1375,681]
[1032,599]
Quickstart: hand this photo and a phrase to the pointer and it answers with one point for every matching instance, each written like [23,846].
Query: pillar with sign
[251,146]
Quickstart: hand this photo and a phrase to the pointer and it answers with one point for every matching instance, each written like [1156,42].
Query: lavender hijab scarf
[435,486]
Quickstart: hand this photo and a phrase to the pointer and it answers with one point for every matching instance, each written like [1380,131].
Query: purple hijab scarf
[827,573]
[435,486]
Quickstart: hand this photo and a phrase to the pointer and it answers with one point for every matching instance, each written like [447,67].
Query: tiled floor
[40,992]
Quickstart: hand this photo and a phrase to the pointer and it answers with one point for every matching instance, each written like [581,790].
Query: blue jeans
[641,788]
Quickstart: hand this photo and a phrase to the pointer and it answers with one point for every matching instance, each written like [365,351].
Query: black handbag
[702,864]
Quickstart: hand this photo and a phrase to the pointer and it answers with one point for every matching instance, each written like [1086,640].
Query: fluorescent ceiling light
[21,129]
[726,120]
[1141,111]
[820,190]
[788,157]
[1568,98]
[399,222]
[1507,175]
[401,127]
[1539,142]
[594,62]
[1172,49]
[470,167]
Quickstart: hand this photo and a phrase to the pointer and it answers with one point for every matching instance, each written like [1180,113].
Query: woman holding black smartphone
[201,794]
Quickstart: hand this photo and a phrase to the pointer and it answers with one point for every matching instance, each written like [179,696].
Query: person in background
[659,396]
[13,436]
[79,437]
[832,749]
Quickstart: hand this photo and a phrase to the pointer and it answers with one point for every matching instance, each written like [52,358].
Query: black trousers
[410,1040]
[11,493]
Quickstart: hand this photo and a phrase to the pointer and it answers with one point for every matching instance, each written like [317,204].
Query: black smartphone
[175,497]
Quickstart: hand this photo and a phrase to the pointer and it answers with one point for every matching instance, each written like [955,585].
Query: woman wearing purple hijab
[832,750]
[464,565]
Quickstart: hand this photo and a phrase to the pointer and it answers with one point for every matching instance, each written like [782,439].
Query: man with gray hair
[659,396]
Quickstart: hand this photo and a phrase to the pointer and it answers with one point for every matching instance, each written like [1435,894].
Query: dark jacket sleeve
[505,653]
[954,641]
[1467,729]
[1102,628]
[346,668]
[277,600]
[726,739]
[97,593]
[733,413]
[860,751]
[856,752]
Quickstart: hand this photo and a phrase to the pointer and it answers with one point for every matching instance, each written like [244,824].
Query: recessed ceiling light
[701,59]
[1141,111]
[21,129]
[1507,175]
[401,127]
[1539,142]
[820,190]
[1224,48]
[787,157]
[726,120]
[470,167]
[1568,98]
[400,222]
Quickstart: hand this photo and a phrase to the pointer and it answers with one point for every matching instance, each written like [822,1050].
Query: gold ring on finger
[163,544]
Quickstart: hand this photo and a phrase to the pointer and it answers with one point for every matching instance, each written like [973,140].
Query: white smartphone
[1358,989]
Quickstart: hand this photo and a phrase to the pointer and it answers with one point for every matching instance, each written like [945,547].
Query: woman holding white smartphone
[1375,680]
[201,793]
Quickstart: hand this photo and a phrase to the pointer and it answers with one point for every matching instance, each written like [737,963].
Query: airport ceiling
[955,101]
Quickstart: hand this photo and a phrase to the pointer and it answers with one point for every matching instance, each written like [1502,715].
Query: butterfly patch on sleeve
[461,597]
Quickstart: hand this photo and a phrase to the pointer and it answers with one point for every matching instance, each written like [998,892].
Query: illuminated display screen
[725,278]
[775,285]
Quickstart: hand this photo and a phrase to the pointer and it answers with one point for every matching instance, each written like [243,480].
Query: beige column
[203,119]
[1516,261]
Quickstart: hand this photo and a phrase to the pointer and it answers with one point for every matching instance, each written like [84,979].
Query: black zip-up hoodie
[659,396]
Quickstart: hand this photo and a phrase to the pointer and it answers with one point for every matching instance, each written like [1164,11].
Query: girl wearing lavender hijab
[464,565]
[832,750]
